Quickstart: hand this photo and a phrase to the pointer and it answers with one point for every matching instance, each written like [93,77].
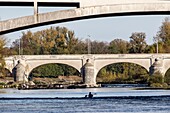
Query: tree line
[60,40]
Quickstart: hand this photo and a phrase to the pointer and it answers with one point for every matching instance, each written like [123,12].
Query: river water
[120,100]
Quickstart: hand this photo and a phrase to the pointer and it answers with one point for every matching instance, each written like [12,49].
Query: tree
[99,47]
[163,36]
[3,42]
[55,40]
[80,47]
[137,43]
[118,46]
[164,33]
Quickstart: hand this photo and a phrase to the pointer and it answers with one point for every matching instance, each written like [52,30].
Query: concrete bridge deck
[98,60]
[87,9]
[80,3]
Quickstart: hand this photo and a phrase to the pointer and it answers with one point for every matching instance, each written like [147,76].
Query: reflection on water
[157,102]
[124,85]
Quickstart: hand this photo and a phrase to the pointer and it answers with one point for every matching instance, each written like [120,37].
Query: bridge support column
[157,67]
[89,78]
[19,73]
[19,62]
[35,11]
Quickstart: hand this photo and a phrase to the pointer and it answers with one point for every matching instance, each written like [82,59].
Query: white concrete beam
[87,3]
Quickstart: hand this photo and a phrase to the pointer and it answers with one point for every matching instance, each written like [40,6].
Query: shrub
[39,82]
[167,77]
[156,78]
[165,85]
[2,83]
[157,85]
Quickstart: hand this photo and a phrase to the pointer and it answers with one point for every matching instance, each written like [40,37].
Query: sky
[100,29]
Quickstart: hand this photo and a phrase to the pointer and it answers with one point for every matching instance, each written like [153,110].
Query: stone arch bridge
[90,69]
[84,9]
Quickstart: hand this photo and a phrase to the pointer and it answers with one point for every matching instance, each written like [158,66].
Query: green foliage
[156,78]
[37,82]
[123,72]
[159,85]
[53,71]
[55,40]
[137,43]
[167,77]
[156,85]
[2,83]
[164,34]
[99,47]
[118,46]
[163,37]
[3,53]
[106,76]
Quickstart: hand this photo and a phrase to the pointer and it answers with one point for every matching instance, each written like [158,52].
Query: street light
[20,49]
[156,40]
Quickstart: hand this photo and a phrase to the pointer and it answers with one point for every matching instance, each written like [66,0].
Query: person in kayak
[90,95]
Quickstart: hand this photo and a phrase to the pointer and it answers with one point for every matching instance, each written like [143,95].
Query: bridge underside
[83,13]
[42,4]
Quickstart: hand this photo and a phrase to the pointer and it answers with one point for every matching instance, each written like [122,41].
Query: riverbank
[42,83]
[70,82]
[51,86]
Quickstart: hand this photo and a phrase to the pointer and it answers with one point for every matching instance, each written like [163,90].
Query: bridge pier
[19,73]
[35,11]
[89,78]
[157,66]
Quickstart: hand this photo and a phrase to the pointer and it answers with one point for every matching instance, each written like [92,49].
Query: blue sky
[101,29]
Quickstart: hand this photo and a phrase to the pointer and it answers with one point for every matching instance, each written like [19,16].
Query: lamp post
[20,48]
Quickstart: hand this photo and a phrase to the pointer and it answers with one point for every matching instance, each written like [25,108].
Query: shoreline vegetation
[64,83]
[74,81]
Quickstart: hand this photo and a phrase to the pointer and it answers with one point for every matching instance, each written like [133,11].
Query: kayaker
[90,95]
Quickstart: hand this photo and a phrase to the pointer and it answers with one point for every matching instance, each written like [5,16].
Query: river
[120,100]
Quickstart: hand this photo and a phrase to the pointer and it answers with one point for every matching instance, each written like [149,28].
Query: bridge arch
[166,70]
[34,64]
[40,64]
[129,65]
[166,66]
[142,62]
[167,76]
[58,67]
[145,63]
[21,23]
